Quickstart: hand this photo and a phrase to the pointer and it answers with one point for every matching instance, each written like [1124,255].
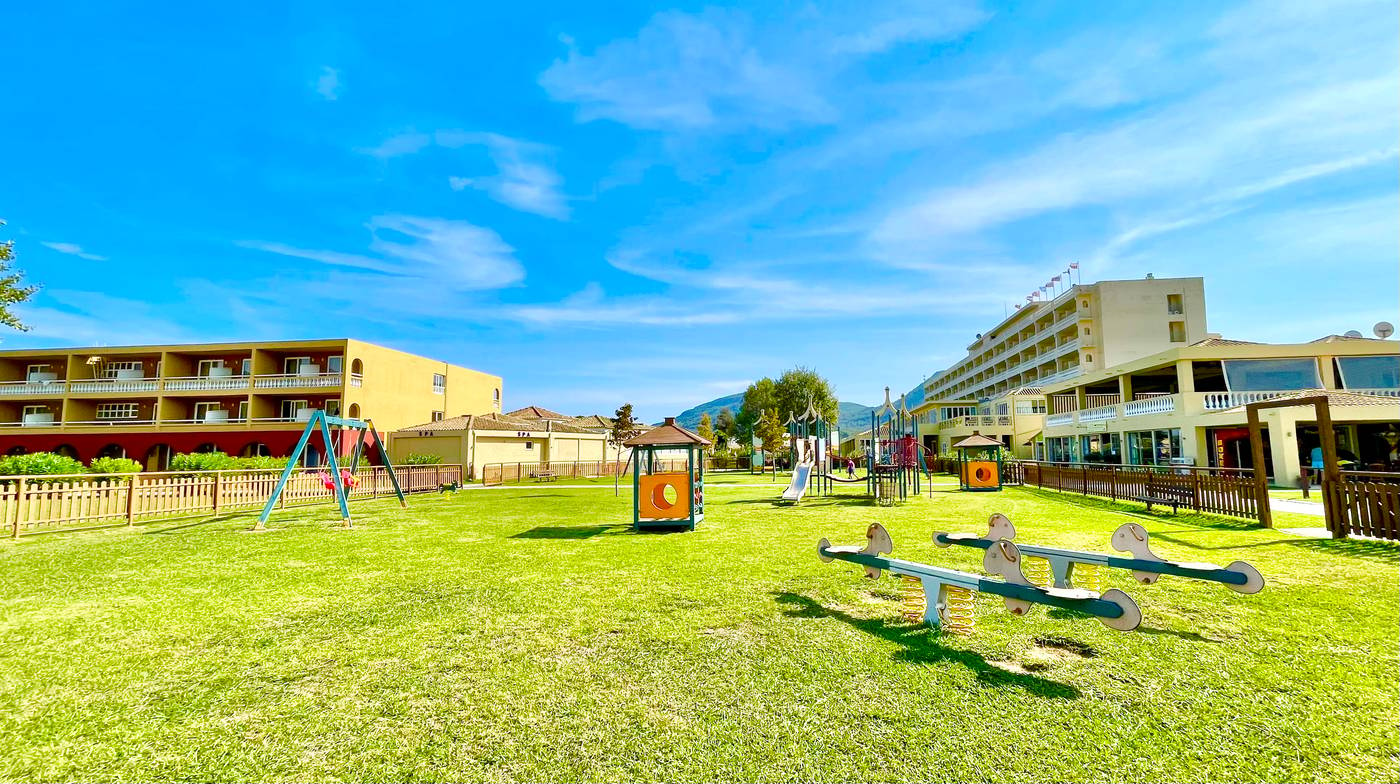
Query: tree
[706,430]
[724,425]
[770,432]
[12,292]
[798,387]
[624,428]
[758,398]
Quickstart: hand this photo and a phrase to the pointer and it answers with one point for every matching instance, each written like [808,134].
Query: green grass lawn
[528,634]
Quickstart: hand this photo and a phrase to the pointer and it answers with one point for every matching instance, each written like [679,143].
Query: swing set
[340,481]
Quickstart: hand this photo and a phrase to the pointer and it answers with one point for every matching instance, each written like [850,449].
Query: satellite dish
[1352,333]
[1383,329]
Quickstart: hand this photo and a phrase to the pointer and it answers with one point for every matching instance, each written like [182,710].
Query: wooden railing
[31,504]
[1224,491]
[1366,503]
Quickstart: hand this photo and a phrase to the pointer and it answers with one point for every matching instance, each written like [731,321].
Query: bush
[260,462]
[40,463]
[202,461]
[114,465]
[416,458]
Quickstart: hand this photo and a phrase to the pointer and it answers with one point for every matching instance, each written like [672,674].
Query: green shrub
[114,465]
[40,463]
[416,458]
[202,461]
[261,462]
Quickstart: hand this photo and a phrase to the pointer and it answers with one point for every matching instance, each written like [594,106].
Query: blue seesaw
[1147,567]
[946,594]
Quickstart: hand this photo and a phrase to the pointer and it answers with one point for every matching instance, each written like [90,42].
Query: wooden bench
[545,476]
[1167,495]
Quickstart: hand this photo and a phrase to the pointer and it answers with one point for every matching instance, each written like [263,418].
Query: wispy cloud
[686,71]
[328,83]
[73,250]
[523,180]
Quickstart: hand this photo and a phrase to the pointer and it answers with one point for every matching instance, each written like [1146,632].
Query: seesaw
[947,593]
[1147,567]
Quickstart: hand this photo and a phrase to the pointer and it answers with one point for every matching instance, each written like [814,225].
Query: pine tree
[707,430]
[624,428]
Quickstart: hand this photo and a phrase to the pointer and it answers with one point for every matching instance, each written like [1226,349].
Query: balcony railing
[1161,404]
[1383,392]
[55,387]
[1065,418]
[1099,413]
[297,380]
[357,380]
[105,385]
[201,383]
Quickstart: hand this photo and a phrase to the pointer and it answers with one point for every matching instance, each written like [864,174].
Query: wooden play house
[668,477]
[979,462]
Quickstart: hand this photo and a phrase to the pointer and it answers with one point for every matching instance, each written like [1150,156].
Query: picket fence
[31,504]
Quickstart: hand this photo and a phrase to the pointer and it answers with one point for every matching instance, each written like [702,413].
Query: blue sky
[660,203]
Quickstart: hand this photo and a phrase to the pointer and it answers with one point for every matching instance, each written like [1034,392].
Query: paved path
[1313,508]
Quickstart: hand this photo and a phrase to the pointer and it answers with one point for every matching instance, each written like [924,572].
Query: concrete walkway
[1294,506]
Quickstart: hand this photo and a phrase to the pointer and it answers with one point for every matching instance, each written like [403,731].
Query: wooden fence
[1366,503]
[506,473]
[1219,490]
[31,504]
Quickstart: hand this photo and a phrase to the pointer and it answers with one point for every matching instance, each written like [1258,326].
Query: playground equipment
[809,438]
[979,462]
[801,474]
[894,466]
[667,499]
[320,422]
[1065,568]
[946,595]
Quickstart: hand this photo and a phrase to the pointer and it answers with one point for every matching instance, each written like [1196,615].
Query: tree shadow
[195,523]
[571,531]
[1381,552]
[1192,636]
[1176,539]
[922,645]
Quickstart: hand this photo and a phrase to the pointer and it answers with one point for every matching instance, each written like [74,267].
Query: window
[40,372]
[202,412]
[1003,409]
[294,366]
[243,411]
[290,408]
[1088,358]
[1176,330]
[1086,332]
[529,444]
[1254,375]
[1369,372]
[496,396]
[439,383]
[207,367]
[1030,406]
[118,410]
[34,411]
[1153,447]
[332,407]
[335,364]
[247,367]
[1174,307]
[1101,448]
[123,369]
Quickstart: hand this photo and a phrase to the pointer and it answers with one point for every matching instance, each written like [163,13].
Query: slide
[800,475]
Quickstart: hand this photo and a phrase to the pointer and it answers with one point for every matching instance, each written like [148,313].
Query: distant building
[529,436]
[249,398]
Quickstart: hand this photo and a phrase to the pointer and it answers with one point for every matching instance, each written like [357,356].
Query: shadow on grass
[571,531]
[1192,636]
[1193,519]
[923,646]
[201,521]
[1380,552]
[810,501]
[1175,539]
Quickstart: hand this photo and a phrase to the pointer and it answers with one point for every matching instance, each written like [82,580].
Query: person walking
[850,468]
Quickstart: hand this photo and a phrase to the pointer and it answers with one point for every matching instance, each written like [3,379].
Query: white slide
[800,475]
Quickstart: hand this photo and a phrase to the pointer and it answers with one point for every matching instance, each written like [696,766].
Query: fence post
[1196,490]
[19,507]
[131,499]
[1083,479]
[214,503]
[1113,483]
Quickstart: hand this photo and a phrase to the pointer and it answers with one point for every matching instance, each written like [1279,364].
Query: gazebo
[665,493]
[979,462]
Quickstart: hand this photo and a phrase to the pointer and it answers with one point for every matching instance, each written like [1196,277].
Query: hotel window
[1256,375]
[118,410]
[529,444]
[208,366]
[496,396]
[1174,306]
[290,408]
[439,383]
[39,373]
[335,364]
[332,407]
[124,369]
[1153,447]
[246,368]
[1030,406]
[294,366]
[34,411]
[1369,372]
[1177,331]
[243,411]
[437,416]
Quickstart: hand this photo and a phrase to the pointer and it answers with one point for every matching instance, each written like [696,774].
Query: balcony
[1053,420]
[206,383]
[1099,413]
[114,385]
[1157,404]
[298,381]
[42,387]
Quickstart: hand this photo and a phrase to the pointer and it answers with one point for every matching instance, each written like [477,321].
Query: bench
[448,487]
[545,476]
[1166,495]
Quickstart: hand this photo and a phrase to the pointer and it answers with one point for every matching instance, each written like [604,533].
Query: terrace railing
[1227,491]
[33,504]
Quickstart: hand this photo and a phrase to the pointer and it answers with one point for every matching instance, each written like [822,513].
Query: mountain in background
[853,416]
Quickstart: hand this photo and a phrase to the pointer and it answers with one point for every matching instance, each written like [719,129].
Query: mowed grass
[529,635]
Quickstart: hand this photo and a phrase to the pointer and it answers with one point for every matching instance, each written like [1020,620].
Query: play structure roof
[492,422]
[668,433]
[976,440]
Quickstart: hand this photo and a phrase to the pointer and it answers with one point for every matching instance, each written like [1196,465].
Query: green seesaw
[943,597]
[1063,565]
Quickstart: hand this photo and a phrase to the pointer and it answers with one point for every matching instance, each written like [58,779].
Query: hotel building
[149,402]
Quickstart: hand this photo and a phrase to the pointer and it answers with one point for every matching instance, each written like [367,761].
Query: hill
[853,416]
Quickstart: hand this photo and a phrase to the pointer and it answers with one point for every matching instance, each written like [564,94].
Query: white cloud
[870,28]
[437,256]
[524,180]
[73,250]
[686,71]
[89,318]
[328,83]
[406,143]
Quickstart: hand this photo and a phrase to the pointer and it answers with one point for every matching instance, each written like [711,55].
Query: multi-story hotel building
[1187,405]
[1086,328]
[149,402]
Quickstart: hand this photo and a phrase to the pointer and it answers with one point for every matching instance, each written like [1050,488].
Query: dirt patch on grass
[1066,644]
